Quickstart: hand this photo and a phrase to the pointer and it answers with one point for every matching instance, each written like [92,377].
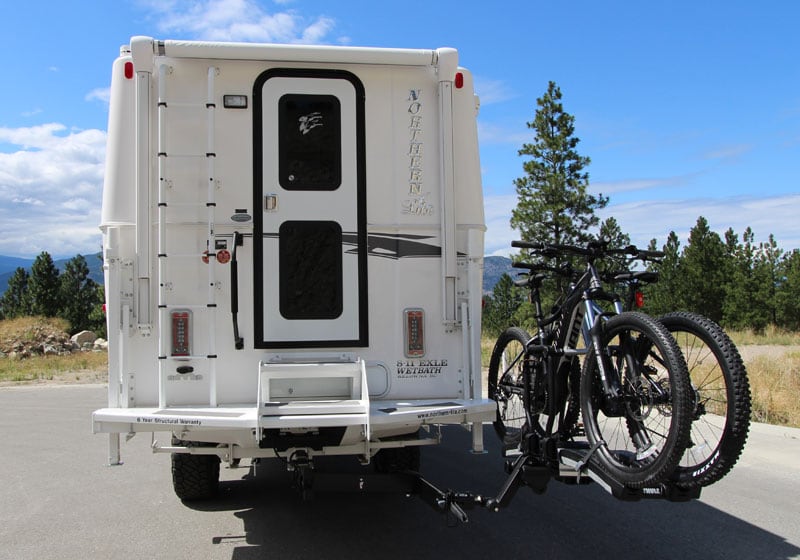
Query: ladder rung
[187,204]
[174,155]
[200,306]
[167,104]
[185,358]
[182,256]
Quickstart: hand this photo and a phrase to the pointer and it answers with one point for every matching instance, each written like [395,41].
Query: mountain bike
[634,392]
[721,415]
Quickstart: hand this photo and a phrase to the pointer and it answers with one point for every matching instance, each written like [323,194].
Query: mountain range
[9,264]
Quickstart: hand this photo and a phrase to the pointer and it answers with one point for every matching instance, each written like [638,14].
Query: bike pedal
[512,453]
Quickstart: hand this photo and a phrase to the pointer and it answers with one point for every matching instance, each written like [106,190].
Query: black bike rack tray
[573,461]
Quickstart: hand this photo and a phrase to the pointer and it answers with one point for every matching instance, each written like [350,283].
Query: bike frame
[578,316]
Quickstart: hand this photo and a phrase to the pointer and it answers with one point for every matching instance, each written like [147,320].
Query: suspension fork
[593,328]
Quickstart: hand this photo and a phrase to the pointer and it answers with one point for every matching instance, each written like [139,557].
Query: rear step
[313,393]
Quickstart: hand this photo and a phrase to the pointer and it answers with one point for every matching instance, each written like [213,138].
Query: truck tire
[195,477]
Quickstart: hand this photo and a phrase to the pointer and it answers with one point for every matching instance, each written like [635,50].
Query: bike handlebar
[595,249]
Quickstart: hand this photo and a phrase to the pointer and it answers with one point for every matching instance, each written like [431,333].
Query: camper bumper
[382,415]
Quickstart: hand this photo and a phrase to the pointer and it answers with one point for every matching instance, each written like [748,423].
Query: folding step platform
[313,394]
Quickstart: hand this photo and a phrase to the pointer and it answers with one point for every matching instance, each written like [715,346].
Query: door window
[310,142]
[310,265]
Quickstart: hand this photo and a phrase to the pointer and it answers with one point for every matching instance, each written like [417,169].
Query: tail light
[414,321]
[181,320]
[639,297]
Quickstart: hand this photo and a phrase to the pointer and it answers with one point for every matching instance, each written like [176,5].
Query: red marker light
[128,70]
[639,299]
[459,80]
[223,257]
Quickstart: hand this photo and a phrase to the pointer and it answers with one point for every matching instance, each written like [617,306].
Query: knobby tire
[640,438]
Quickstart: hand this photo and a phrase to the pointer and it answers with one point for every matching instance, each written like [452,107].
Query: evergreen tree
[15,301]
[787,297]
[78,294]
[745,303]
[613,234]
[703,271]
[500,307]
[554,205]
[97,316]
[666,294]
[769,265]
[43,287]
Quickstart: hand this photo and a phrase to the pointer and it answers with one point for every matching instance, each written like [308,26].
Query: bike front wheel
[721,414]
[640,428]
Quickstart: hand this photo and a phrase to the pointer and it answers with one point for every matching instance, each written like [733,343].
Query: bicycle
[721,416]
[634,391]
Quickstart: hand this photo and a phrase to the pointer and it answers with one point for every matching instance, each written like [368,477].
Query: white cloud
[646,220]
[490,133]
[237,20]
[497,213]
[631,185]
[50,190]
[731,152]
[99,94]
[493,91]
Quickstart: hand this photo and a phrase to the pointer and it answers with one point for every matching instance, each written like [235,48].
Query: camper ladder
[172,317]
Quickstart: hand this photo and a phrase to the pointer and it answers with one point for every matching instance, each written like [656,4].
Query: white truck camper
[293,252]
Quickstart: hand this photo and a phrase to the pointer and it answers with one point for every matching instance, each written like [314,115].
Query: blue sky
[685,108]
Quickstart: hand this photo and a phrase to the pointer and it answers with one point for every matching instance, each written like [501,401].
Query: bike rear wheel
[506,384]
[507,369]
[639,435]
[721,415]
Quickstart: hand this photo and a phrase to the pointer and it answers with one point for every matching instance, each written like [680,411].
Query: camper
[293,254]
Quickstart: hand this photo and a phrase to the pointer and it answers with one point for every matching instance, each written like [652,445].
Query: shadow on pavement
[566,522]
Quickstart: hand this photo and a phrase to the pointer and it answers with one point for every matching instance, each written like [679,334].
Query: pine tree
[78,294]
[704,271]
[15,301]
[500,307]
[97,316]
[613,234]
[769,264]
[554,205]
[787,297]
[43,287]
[666,295]
[746,291]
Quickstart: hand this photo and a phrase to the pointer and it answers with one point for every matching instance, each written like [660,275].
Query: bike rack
[574,468]
[522,468]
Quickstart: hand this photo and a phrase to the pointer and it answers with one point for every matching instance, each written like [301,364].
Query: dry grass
[28,328]
[81,367]
[770,336]
[775,387]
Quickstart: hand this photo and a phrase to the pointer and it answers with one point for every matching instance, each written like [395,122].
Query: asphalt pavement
[59,500]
